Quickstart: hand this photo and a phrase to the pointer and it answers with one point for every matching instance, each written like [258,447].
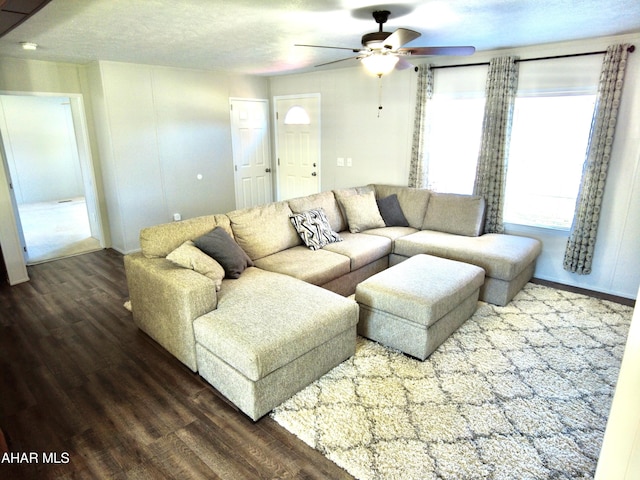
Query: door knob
[313,174]
[267,170]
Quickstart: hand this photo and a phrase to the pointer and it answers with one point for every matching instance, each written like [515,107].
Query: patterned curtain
[582,240]
[502,83]
[419,157]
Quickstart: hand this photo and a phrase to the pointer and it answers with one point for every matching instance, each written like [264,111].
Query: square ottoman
[415,305]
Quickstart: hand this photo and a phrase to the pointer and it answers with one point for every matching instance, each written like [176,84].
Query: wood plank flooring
[88,395]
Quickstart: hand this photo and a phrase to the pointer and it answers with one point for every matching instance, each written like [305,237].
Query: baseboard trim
[592,293]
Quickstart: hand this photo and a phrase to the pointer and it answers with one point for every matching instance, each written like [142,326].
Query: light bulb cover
[29,45]
[380,63]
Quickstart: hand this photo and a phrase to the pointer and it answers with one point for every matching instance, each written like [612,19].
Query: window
[453,142]
[548,145]
[297,115]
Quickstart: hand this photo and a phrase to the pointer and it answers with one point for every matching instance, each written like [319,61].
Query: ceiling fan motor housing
[374,39]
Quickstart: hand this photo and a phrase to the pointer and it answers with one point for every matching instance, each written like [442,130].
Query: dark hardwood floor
[85,394]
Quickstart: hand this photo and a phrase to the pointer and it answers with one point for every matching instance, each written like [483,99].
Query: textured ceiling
[258,36]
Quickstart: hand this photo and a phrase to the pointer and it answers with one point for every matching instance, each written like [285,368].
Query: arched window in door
[297,115]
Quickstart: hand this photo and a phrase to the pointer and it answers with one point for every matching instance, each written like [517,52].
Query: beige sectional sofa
[288,319]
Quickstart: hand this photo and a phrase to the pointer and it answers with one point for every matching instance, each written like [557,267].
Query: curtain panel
[582,239]
[418,168]
[491,170]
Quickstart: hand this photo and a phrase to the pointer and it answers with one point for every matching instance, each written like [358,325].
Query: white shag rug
[518,392]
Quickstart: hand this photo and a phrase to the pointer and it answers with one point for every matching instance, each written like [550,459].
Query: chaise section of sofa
[508,260]
[271,336]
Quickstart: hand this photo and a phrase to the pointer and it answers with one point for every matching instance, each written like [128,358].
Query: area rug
[518,392]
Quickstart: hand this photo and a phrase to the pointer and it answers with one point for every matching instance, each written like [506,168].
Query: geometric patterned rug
[517,392]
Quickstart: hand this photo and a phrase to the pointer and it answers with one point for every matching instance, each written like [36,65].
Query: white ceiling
[258,36]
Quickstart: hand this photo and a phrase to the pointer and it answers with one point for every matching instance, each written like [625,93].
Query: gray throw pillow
[392,212]
[219,245]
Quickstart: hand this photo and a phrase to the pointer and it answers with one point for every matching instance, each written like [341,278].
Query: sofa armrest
[165,300]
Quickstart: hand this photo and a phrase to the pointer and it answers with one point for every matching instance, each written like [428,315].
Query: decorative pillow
[362,212]
[314,228]
[219,245]
[189,256]
[391,212]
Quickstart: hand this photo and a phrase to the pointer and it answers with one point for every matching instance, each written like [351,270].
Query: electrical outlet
[177,217]
[340,161]
[349,162]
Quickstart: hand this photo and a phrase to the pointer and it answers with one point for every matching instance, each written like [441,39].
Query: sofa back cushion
[413,201]
[325,200]
[454,213]
[264,230]
[160,240]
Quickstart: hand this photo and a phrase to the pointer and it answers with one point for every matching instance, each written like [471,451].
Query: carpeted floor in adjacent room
[518,392]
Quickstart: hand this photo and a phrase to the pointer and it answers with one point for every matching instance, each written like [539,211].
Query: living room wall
[158,129]
[380,148]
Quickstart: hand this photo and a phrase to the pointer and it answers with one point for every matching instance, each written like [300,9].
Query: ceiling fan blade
[335,61]
[400,37]
[325,46]
[403,64]
[428,51]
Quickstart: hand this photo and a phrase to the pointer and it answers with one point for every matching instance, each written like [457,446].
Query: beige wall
[157,130]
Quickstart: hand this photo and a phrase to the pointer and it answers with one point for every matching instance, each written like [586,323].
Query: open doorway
[49,178]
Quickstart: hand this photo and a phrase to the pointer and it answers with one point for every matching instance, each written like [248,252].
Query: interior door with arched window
[297,145]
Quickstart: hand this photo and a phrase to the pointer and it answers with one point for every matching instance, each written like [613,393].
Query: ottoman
[415,305]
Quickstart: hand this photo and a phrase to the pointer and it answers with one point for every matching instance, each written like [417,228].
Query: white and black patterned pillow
[314,229]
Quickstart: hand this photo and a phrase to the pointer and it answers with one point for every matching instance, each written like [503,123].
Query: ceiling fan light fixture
[380,64]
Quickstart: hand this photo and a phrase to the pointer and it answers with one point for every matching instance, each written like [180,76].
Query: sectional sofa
[270,312]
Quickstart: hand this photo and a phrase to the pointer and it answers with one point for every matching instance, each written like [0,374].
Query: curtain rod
[630,49]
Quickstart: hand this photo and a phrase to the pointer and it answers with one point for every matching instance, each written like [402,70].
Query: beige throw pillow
[362,212]
[189,256]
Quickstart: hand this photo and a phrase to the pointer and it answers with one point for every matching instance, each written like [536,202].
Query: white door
[298,145]
[251,152]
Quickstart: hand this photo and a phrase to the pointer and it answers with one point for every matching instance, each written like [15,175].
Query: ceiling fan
[381,52]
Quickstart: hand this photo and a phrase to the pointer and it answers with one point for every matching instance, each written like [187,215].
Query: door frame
[318,96]
[10,227]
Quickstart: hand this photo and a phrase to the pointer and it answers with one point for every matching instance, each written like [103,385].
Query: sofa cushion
[313,266]
[454,213]
[291,318]
[391,211]
[314,229]
[360,248]
[501,256]
[189,256]
[325,200]
[413,201]
[362,212]
[160,240]
[392,232]
[264,230]
[219,245]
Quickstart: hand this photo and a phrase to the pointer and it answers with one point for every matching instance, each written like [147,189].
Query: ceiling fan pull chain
[379,95]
